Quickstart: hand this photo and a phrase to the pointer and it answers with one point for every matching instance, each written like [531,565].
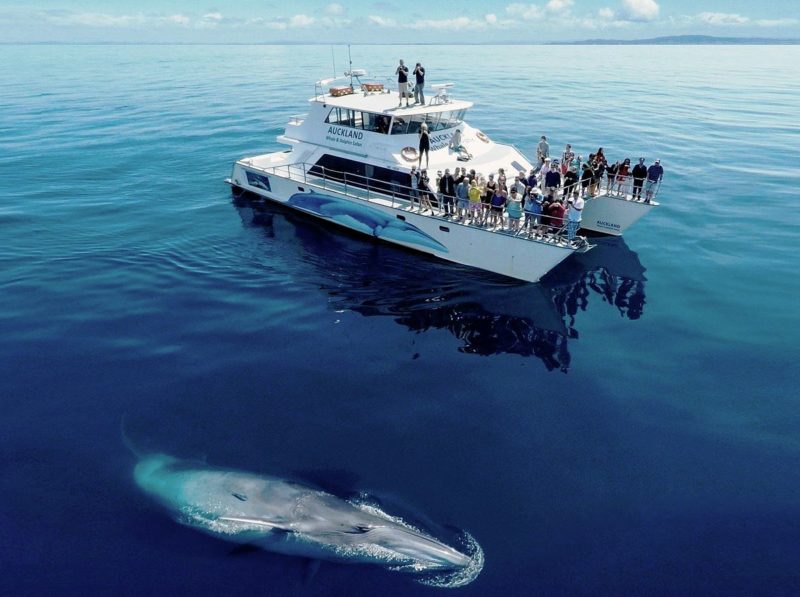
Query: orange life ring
[409,154]
[482,137]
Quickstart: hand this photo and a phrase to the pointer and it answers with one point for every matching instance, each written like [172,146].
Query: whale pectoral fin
[281,526]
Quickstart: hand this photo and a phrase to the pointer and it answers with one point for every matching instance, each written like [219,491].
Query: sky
[388,21]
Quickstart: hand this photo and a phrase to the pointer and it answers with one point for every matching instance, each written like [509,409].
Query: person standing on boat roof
[424,144]
[419,73]
[542,150]
[402,82]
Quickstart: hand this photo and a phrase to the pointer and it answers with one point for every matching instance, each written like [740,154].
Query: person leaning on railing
[639,173]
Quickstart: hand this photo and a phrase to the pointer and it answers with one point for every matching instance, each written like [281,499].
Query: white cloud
[491,19]
[334,9]
[105,20]
[301,20]
[213,16]
[639,10]
[457,24]
[526,12]
[559,5]
[721,18]
[381,21]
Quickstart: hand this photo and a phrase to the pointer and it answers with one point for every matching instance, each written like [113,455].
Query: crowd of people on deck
[548,199]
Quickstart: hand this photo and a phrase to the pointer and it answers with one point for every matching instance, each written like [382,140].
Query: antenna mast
[350,58]
[333,59]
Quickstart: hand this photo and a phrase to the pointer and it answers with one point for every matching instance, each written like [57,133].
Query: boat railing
[357,186]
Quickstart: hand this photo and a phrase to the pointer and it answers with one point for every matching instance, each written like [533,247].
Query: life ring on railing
[482,137]
[409,154]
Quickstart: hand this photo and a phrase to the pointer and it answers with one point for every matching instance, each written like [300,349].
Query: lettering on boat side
[345,136]
[608,225]
[440,141]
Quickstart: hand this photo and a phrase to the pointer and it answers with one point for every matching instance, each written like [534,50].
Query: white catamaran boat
[349,163]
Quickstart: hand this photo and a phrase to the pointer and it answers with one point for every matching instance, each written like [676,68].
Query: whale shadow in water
[488,313]
[288,517]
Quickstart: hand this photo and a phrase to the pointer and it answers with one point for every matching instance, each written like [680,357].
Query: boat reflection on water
[489,314]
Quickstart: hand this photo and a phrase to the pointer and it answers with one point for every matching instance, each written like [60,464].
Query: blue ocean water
[628,426]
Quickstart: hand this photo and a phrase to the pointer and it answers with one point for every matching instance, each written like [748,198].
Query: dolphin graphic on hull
[365,219]
[291,518]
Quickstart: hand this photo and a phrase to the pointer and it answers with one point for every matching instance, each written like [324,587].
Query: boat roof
[386,103]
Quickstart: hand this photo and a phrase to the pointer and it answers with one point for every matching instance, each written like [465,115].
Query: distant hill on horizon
[687,40]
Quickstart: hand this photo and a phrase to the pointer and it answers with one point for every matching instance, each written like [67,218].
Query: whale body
[291,518]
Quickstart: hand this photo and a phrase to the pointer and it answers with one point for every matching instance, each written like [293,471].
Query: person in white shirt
[543,172]
[574,215]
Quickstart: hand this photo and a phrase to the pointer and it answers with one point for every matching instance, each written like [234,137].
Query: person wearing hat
[639,173]
[574,216]
[543,171]
[654,175]
[533,210]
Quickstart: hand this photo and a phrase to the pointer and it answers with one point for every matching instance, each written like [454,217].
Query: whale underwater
[291,518]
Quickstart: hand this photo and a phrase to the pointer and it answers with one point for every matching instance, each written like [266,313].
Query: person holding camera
[402,82]
[419,73]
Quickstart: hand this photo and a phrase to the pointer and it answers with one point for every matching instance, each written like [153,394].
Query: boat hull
[496,252]
[613,215]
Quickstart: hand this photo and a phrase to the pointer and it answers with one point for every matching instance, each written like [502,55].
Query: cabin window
[362,175]
[436,121]
[399,125]
[368,121]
